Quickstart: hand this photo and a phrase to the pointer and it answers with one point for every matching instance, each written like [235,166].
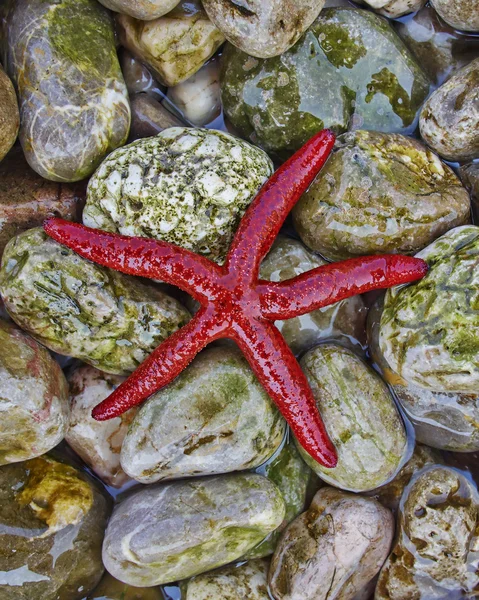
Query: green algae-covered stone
[445,420]
[74,106]
[380,193]
[167,532]
[112,589]
[390,494]
[33,397]
[9,117]
[449,120]
[435,556]
[295,480]
[52,522]
[189,187]
[80,309]
[360,416]
[245,582]
[350,69]
[214,418]
[429,331]
[344,320]
[333,550]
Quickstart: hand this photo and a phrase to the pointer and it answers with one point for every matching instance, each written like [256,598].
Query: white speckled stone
[247,582]
[146,10]
[97,442]
[189,187]
[461,14]
[394,8]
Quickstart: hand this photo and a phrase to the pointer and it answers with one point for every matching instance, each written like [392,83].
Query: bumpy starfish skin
[235,303]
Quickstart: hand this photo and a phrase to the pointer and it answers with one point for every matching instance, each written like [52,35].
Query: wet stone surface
[351,58]
[333,550]
[73,99]
[33,397]
[214,418]
[110,588]
[80,309]
[360,416]
[461,14]
[52,522]
[207,528]
[146,10]
[9,117]
[435,555]
[380,193]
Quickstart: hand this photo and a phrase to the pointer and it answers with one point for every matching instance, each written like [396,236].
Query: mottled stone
[149,117]
[350,58]
[470,177]
[449,421]
[333,550]
[295,481]
[435,555]
[189,187]
[449,120]
[175,46]
[98,443]
[380,193]
[429,330]
[167,532]
[146,10]
[263,29]
[246,582]
[52,521]
[360,416]
[394,8]
[460,14]
[390,494]
[26,199]
[438,48]
[9,116]
[33,397]
[112,589]
[198,98]
[73,101]
[80,309]
[214,418]
[344,321]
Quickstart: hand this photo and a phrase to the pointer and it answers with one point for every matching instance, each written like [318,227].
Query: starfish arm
[273,203]
[334,282]
[280,374]
[145,257]
[163,365]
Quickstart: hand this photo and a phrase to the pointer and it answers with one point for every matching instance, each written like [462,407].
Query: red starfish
[235,303]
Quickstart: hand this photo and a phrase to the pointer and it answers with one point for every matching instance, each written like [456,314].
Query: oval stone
[174,46]
[296,482]
[449,120]
[435,555]
[248,581]
[380,193]
[80,309]
[460,14]
[333,550]
[449,421]
[33,397]
[350,58]
[394,8]
[52,522]
[73,101]
[360,416]
[98,443]
[344,320]
[189,187]
[263,29]
[167,532]
[429,330]
[9,117]
[213,418]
